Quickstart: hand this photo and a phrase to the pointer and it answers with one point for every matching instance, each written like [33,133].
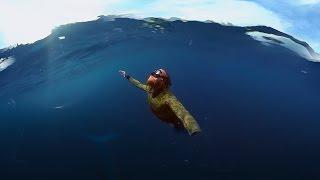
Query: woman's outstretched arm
[134,81]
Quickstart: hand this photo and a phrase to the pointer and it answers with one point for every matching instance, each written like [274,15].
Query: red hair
[162,83]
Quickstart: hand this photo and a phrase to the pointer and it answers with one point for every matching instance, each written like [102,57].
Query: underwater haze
[66,113]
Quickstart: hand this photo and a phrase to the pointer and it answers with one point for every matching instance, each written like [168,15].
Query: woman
[163,103]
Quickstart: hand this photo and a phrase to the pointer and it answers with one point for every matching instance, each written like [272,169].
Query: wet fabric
[169,109]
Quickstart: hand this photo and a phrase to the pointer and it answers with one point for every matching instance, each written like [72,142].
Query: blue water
[67,114]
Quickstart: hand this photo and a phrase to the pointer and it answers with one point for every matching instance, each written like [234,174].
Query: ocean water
[66,113]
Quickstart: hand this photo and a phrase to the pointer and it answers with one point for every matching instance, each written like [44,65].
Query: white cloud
[308,2]
[234,11]
[28,21]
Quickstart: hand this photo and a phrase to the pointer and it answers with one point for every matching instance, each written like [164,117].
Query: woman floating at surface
[163,103]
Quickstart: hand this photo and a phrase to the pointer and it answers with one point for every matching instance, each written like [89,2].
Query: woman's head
[159,80]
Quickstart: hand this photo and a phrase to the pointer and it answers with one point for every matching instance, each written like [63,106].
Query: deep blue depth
[65,113]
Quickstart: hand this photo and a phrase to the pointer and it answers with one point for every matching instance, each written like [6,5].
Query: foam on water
[267,39]
[6,62]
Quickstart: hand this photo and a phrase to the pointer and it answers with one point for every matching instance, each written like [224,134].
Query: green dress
[169,109]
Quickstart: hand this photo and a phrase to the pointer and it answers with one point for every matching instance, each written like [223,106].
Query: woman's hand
[122,73]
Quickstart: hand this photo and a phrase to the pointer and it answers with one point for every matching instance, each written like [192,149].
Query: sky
[25,21]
